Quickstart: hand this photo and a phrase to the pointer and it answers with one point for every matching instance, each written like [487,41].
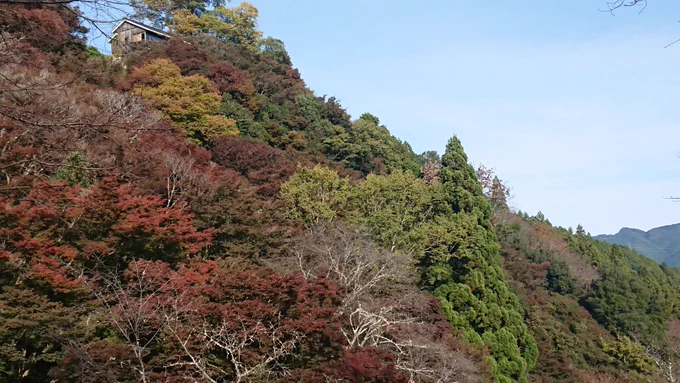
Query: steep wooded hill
[194,212]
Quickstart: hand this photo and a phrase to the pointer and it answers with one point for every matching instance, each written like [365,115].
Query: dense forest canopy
[194,212]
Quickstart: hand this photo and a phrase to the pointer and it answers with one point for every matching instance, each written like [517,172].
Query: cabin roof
[139,25]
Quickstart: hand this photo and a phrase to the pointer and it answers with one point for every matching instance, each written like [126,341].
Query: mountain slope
[200,215]
[661,244]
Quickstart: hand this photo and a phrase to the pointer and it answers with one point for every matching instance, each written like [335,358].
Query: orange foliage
[56,231]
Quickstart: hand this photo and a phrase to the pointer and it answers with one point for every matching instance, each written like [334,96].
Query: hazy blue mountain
[661,244]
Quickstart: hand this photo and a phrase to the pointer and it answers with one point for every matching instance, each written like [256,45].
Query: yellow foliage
[191,102]
[214,126]
[185,22]
[315,196]
[630,353]
[236,24]
[155,73]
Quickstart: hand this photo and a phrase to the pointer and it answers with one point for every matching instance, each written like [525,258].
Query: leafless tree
[180,172]
[124,110]
[347,256]
[369,328]
[400,330]
[383,308]
[234,343]
[146,308]
[431,172]
[200,340]
[667,363]
[131,310]
[183,179]
[98,15]
[666,356]
[45,108]
[45,100]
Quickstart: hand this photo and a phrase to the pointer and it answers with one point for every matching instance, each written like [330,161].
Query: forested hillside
[193,212]
[661,244]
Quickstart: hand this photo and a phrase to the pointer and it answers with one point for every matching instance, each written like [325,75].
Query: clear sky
[575,108]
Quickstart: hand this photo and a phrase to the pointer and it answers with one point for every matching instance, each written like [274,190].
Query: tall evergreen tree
[463,187]
[469,281]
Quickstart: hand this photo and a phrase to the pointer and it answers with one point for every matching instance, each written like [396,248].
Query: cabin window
[137,37]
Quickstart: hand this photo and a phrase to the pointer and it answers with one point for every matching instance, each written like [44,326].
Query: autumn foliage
[216,320]
[57,230]
[193,212]
[191,102]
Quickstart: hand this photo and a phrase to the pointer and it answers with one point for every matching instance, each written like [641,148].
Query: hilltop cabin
[128,32]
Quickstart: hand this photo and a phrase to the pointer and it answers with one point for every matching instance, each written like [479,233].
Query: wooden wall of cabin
[128,34]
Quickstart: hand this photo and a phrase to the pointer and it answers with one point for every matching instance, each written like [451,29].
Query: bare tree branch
[616,4]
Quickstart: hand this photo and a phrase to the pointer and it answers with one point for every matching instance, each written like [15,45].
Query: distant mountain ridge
[661,244]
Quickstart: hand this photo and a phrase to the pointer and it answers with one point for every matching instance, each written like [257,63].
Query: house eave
[112,37]
[139,25]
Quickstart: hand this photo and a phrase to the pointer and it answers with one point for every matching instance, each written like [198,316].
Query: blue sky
[575,108]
